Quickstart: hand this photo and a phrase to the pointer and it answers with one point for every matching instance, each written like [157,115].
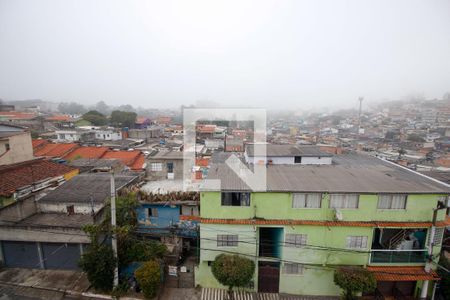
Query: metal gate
[21,254]
[268,277]
[61,256]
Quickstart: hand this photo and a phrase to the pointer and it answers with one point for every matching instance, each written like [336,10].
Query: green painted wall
[279,206]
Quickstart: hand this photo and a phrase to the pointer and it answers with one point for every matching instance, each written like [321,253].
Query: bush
[149,277]
[353,280]
[233,271]
[99,263]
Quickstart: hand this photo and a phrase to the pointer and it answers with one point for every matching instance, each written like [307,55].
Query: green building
[319,213]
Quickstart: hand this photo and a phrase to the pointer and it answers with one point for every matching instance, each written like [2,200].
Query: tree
[123,118]
[353,280]
[98,262]
[71,108]
[149,278]
[233,271]
[95,118]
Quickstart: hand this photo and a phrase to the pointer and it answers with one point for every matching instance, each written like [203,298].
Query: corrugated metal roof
[81,188]
[349,173]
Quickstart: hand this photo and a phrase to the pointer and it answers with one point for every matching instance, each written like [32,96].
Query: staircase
[399,237]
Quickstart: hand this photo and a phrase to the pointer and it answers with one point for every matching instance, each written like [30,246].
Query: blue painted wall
[167,217]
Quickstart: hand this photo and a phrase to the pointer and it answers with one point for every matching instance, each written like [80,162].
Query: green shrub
[353,280]
[98,262]
[149,278]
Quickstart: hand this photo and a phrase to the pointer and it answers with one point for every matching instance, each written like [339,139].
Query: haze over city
[273,54]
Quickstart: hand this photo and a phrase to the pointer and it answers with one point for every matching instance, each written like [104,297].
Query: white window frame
[345,204]
[227,240]
[390,201]
[156,167]
[295,240]
[438,236]
[293,269]
[297,200]
[357,242]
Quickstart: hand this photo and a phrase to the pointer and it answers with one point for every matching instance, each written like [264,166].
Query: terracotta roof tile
[18,175]
[86,152]
[64,118]
[316,223]
[202,162]
[17,115]
[133,159]
[391,273]
[55,150]
[39,143]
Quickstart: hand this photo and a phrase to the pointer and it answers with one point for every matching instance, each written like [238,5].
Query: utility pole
[113,228]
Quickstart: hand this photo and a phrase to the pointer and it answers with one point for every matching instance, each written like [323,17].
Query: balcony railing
[398,256]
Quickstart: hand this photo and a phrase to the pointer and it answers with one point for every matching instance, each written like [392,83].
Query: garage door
[20,254]
[61,256]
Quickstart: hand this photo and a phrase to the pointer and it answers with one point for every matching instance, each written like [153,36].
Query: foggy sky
[275,54]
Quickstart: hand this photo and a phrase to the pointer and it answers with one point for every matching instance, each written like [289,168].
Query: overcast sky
[275,54]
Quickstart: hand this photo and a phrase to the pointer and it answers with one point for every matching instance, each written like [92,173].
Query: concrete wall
[20,149]
[18,210]
[80,208]
[161,175]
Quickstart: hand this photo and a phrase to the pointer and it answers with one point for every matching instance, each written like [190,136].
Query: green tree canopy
[123,118]
[353,280]
[233,271]
[98,262]
[95,118]
[149,278]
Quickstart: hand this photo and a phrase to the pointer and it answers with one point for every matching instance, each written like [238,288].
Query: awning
[402,273]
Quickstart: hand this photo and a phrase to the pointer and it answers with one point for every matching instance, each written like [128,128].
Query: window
[391,201]
[156,167]
[344,201]
[7,147]
[293,268]
[306,200]
[70,209]
[438,236]
[297,159]
[227,240]
[235,199]
[152,212]
[357,242]
[170,167]
[295,240]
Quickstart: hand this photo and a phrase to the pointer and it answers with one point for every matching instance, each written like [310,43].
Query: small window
[7,147]
[344,201]
[170,167]
[306,200]
[235,199]
[152,212]
[70,209]
[295,240]
[298,159]
[227,240]
[155,167]
[357,242]
[293,268]
[391,201]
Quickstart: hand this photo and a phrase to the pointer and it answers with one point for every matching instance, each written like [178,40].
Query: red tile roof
[18,175]
[86,152]
[390,273]
[133,159]
[317,223]
[55,150]
[202,162]
[17,115]
[141,120]
[39,143]
[63,118]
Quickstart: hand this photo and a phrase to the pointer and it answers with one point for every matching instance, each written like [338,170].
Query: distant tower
[359,113]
